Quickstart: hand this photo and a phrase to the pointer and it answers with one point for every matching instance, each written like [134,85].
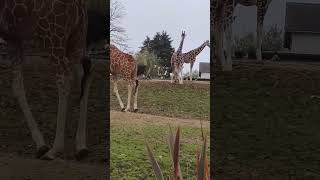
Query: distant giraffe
[123,64]
[222,12]
[59,29]
[176,61]
[190,57]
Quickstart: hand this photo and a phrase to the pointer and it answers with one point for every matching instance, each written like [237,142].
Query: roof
[204,67]
[299,17]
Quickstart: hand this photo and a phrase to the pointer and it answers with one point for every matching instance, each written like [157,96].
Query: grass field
[189,102]
[266,125]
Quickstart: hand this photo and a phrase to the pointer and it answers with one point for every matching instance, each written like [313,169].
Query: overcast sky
[146,17]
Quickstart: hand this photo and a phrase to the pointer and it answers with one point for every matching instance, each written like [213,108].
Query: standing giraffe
[58,28]
[190,57]
[125,65]
[177,62]
[222,12]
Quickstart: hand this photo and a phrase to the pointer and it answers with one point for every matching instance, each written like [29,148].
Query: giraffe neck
[199,49]
[179,51]
[190,56]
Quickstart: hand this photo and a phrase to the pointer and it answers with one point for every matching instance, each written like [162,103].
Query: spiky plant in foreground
[202,165]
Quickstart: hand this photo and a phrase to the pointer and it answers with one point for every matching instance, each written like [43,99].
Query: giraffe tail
[136,86]
[86,64]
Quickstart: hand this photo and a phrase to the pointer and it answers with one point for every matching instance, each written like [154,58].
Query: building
[302,30]
[204,70]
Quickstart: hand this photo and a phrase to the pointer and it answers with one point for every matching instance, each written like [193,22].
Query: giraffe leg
[81,147]
[135,105]
[261,11]
[19,92]
[228,47]
[115,90]
[191,66]
[130,86]
[180,74]
[259,42]
[63,83]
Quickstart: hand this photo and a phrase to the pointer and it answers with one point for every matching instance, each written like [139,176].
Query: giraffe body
[58,28]
[177,62]
[222,12]
[190,57]
[124,65]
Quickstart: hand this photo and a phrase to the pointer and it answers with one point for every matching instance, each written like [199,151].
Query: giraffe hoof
[135,110]
[51,155]
[81,154]
[41,151]
[123,109]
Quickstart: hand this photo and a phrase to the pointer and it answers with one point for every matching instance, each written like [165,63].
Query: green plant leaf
[155,165]
[201,170]
[176,150]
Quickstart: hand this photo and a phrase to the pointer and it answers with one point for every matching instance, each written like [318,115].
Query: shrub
[149,60]
[272,39]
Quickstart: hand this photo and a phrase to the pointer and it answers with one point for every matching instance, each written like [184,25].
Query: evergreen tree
[160,45]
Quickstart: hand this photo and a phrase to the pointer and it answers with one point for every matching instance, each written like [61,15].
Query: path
[120,118]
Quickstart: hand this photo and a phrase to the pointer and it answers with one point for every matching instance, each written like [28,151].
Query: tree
[150,60]
[160,45]
[194,74]
[272,39]
[117,32]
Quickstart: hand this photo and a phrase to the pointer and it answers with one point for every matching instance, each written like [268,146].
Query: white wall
[305,43]
[205,76]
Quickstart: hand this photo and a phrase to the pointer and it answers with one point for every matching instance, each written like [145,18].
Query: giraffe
[58,29]
[176,61]
[190,57]
[222,12]
[125,65]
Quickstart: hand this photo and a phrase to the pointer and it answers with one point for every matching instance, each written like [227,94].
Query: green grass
[265,129]
[165,99]
[129,156]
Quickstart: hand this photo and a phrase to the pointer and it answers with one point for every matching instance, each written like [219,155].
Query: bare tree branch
[117,32]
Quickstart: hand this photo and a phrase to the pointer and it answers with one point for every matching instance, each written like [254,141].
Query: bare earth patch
[128,119]
[20,168]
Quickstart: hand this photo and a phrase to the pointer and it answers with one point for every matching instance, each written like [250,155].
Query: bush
[150,60]
[251,51]
[272,39]
[245,46]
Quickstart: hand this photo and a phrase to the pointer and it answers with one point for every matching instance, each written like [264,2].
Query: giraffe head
[183,34]
[207,43]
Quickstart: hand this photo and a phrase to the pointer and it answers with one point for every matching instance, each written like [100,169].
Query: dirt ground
[118,118]
[16,146]
[14,167]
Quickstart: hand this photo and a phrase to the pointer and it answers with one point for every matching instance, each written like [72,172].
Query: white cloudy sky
[146,17]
